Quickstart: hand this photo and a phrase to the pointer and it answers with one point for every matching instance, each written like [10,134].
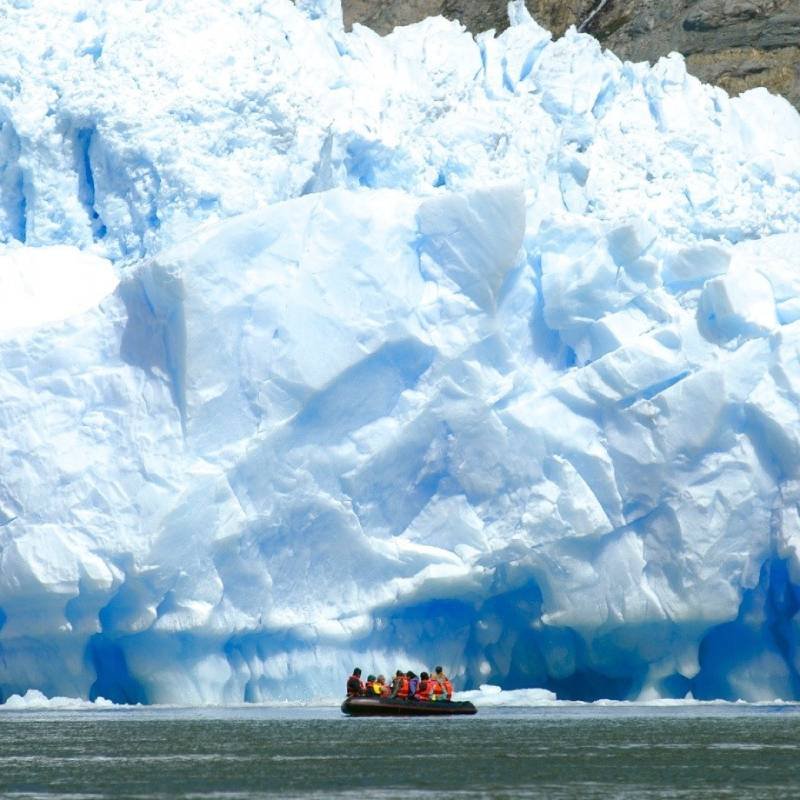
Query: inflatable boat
[396,707]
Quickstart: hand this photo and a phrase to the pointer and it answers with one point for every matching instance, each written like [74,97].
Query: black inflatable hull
[385,707]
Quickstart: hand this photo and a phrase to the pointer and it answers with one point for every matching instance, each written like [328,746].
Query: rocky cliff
[737,44]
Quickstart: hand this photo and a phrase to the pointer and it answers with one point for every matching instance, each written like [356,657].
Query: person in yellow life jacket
[381,689]
[444,682]
[400,685]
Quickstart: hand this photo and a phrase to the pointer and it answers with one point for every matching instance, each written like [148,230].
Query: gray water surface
[564,752]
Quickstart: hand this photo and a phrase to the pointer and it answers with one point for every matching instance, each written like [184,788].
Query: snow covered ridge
[422,348]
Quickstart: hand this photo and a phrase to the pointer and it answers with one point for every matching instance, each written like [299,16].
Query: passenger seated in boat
[424,687]
[355,688]
[413,682]
[444,682]
[400,685]
[382,689]
[372,687]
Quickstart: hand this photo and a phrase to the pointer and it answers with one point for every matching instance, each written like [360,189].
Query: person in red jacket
[355,688]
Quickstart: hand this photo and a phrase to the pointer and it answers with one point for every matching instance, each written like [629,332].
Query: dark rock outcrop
[737,44]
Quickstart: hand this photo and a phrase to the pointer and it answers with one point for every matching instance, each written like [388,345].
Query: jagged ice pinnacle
[319,346]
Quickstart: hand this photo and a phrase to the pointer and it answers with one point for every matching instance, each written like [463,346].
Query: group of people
[404,685]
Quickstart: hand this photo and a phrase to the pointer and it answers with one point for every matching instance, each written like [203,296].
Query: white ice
[488,696]
[41,285]
[321,349]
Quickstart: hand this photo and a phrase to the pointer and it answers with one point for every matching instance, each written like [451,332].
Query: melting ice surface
[321,348]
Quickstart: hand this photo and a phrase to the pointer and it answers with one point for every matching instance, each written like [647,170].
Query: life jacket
[369,687]
[424,689]
[354,686]
[385,691]
[376,689]
[403,690]
[448,688]
[436,689]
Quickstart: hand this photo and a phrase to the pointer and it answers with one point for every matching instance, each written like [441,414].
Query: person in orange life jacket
[443,681]
[399,685]
[413,682]
[355,688]
[436,689]
[424,687]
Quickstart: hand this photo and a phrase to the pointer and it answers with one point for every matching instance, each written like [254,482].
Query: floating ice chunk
[489,696]
[34,700]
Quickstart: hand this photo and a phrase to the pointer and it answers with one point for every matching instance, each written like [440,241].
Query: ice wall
[320,347]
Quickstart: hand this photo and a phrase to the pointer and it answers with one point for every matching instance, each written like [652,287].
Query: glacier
[321,348]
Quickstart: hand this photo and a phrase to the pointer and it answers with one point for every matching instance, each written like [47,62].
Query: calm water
[590,752]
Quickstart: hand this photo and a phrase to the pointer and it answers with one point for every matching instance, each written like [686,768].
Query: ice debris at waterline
[34,700]
[322,349]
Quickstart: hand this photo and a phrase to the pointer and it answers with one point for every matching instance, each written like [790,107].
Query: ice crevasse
[321,348]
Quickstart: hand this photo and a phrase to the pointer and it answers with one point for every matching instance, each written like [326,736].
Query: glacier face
[320,347]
